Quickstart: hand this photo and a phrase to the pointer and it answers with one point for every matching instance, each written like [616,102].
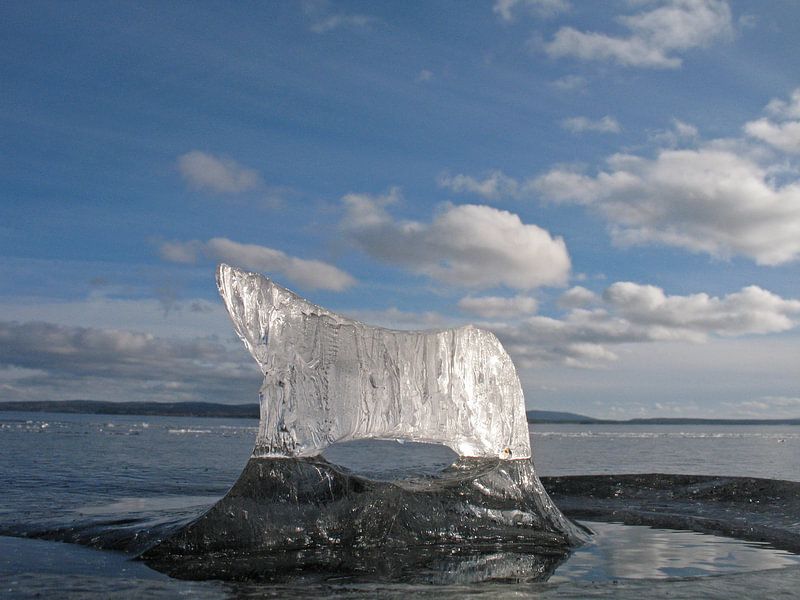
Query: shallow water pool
[618,551]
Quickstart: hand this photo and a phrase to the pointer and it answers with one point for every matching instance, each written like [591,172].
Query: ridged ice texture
[331,379]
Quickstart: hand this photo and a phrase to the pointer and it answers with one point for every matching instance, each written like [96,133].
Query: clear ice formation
[330,379]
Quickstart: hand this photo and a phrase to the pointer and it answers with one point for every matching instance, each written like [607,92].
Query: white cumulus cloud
[570,83]
[205,171]
[606,124]
[494,186]
[678,133]
[724,197]
[577,297]
[468,245]
[508,9]
[783,109]
[631,313]
[498,307]
[323,17]
[654,38]
[784,136]
[706,200]
[750,311]
[308,274]
[782,128]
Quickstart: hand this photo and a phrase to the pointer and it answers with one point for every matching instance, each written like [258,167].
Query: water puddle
[618,551]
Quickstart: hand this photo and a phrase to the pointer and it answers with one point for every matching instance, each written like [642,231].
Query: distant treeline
[678,421]
[545,416]
[169,409]
[251,411]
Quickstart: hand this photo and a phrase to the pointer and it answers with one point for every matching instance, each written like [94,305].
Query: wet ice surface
[616,554]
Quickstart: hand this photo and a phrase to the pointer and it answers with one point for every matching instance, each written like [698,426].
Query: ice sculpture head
[330,379]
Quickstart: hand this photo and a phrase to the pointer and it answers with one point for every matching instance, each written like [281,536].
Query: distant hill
[251,411]
[679,421]
[546,416]
[549,416]
[171,409]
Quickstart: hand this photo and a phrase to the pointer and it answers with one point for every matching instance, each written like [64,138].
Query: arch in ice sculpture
[329,379]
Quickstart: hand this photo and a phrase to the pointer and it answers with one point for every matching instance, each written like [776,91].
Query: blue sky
[612,187]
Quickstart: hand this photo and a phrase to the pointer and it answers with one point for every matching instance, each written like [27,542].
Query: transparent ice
[330,379]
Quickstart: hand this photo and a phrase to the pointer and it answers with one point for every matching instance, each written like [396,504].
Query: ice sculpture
[330,379]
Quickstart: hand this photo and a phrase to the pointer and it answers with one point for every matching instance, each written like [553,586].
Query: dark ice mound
[748,508]
[480,519]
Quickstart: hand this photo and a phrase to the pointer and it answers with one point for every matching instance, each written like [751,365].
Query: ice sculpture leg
[330,379]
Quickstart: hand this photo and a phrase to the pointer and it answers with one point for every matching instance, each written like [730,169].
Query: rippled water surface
[771,451]
[80,477]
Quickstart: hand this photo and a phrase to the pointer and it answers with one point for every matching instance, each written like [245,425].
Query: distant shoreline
[160,409]
[543,416]
[251,411]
